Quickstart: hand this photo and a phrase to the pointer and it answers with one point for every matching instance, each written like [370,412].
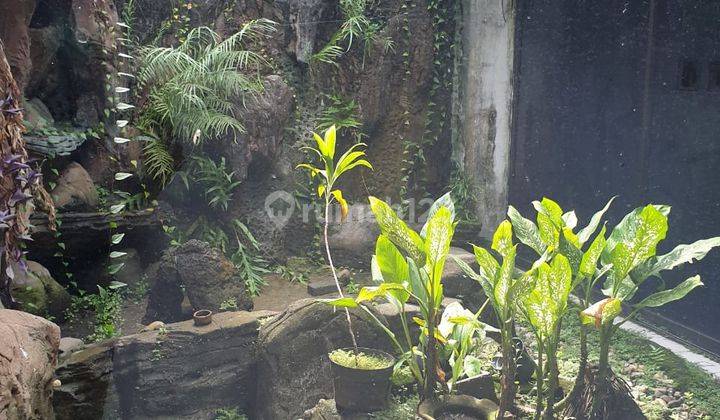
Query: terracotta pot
[202,317]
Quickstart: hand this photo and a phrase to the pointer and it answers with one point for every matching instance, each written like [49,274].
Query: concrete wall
[600,111]
[485,104]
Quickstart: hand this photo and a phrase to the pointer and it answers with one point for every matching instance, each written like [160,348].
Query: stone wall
[178,371]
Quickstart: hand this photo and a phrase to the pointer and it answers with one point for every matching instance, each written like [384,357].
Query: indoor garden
[359,209]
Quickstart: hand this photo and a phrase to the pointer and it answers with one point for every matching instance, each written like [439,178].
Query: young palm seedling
[329,173]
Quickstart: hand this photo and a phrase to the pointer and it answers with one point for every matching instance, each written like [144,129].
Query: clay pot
[202,317]
[362,390]
[453,406]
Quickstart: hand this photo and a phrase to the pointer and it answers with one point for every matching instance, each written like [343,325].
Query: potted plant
[361,376]
[408,266]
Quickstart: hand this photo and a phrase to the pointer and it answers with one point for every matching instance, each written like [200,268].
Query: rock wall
[179,371]
[28,353]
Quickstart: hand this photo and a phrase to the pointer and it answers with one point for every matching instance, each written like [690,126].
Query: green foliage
[247,260]
[229,304]
[106,305]
[159,162]
[342,114]
[215,181]
[229,414]
[330,173]
[357,27]
[407,264]
[291,275]
[463,191]
[193,87]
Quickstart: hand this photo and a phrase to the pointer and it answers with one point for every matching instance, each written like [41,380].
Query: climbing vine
[436,124]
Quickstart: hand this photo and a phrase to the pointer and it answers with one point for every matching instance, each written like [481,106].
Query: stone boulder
[293,369]
[265,117]
[455,283]
[36,115]
[209,279]
[28,353]
[166,295]
[87,390]
[75,189]
[180,371]
[353,241]
[38,293]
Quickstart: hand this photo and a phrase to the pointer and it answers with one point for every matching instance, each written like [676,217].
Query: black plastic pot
[454,406]
[362,390]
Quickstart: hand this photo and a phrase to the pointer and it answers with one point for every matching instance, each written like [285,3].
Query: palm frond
[195,86]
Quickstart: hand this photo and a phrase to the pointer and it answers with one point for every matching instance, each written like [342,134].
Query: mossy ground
[648,368]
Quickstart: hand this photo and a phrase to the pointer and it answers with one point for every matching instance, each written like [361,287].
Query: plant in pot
[361,376]
[628,259]
[567,267]
[505,287]
[408,267]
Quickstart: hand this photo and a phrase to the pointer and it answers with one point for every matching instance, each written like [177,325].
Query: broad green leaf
[444,201]
[588,264]
[586,232]
[117,238]
[637,241]
[117,254]
[549,234]
[345,302]
[682,254]
[551,209]
[122,175]
[489,267]
[391,263]
[369,293]
[667,296]
[504,279]
[502,239]
[343,204]
[397,231]
[626,229]
[485,282]
[570,220]
[569,248]
[440,229]
[350,157]
[322,146]
[115,268]
[117,208]
[330,136]
[418,284]
[321,190]
[526,231]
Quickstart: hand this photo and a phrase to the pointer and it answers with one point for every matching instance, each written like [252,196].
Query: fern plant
[159,162]
[193,87]
[356,27]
